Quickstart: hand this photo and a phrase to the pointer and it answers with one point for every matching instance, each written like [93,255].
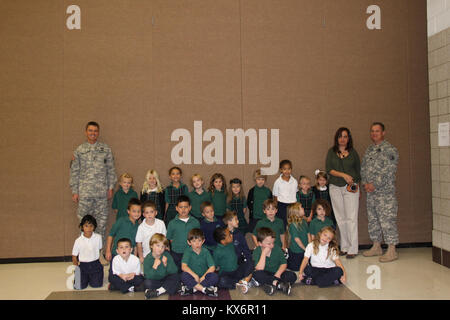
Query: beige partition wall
[144,69]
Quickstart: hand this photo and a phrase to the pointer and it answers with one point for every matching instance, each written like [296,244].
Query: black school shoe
[284,287]
[269,289]
[211,292]
[150,293]
[185,291]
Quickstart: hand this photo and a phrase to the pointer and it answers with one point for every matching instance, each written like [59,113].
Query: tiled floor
[413,276]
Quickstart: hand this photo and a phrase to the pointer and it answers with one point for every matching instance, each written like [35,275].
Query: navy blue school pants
[323,277]
[266,277]
[295,260]
[177,257]
[227,280]
[282,212]
[91,274]
[211,280]
[170,283]
[118,284]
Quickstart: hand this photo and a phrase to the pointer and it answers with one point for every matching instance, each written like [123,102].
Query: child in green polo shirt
[322,209]
[123,196]
[160,271]
[236,202]
[230,272]
[198,196]
[198,267]
[297,236]
[178,229]
[218,190]
[124,228]
[270,208]
[172,192]
[270,264]
[255,199]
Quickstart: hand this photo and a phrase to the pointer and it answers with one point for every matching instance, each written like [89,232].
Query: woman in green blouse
[343,166]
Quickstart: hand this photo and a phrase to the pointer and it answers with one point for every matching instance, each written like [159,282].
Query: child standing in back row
[237,203]
[172,192]
[123,196]
[305,196]
[285,190]
[256,196]
[198,196]
[218,190]
[152,189]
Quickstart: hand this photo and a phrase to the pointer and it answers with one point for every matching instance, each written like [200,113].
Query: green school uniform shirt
[225,258]
[197,200]
[177,231]
[301,233]
[198,263]
[120,202]
[219,201]
[277,226]
[316,225]
[273,262]
[123,228]
[260,195]
[161,271]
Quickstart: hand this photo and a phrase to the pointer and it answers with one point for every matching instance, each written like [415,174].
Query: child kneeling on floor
[270,264]
[86,254]
[325,269]
[160,271]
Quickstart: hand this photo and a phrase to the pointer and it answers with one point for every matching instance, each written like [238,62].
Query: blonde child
[153,190]
[148,228]
[172,192]
[305,196]
[322,190]
[322,209]
[236,202]
[325,268]
[198,195]
[297,236]
[160,271]
[218,190]
[123,196]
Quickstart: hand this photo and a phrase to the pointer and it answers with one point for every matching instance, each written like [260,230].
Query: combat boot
[374,251]
[390,254]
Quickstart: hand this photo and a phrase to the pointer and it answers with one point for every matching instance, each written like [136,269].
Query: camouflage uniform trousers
[382,216]
[99,209]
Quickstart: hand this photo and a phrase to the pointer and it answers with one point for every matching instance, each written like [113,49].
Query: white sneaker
[253,283]
[243,285]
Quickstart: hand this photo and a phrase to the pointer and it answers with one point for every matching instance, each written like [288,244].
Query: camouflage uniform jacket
[92,170]
[379,167]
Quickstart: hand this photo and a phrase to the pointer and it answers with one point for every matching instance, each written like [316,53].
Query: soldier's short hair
[93,123]
[134,202]
[378,124]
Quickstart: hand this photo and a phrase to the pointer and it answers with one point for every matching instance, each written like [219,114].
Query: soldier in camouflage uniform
[92,178]
[378,170]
